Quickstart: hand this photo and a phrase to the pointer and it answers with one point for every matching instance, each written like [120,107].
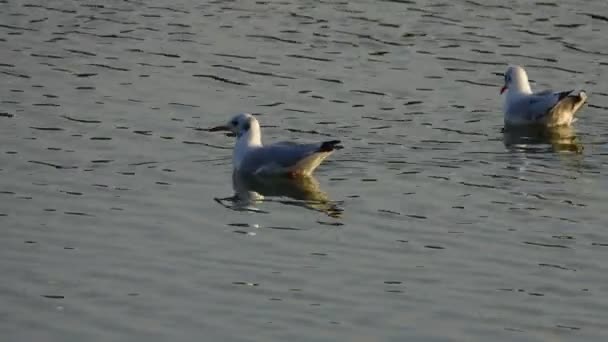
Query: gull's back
[546,108]
[286,157]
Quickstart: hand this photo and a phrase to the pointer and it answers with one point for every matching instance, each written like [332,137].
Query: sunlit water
[117,208]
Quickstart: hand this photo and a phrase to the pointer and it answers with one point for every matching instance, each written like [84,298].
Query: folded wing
[553,108]
[288,158]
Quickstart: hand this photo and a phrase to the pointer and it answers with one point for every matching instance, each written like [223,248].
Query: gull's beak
[221,128]
[502,90]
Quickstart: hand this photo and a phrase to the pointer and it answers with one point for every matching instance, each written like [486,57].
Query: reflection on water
[540,139]
[303,192]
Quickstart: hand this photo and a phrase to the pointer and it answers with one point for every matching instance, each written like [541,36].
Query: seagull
[545,108]
[290,159]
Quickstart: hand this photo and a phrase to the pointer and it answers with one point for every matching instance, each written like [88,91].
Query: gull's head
[240,124]
[516,79]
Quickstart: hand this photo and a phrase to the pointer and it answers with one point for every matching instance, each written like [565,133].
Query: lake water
[430,225]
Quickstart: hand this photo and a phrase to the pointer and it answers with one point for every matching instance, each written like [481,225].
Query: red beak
[502,90]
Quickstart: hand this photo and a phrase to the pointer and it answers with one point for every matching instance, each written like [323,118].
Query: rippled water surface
[431,225]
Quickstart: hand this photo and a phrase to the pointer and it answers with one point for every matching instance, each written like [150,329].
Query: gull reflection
[542,139]
[305,192]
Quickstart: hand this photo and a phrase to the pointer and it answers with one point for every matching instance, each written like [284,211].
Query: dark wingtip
[563,94]
[582,94]
[328,146]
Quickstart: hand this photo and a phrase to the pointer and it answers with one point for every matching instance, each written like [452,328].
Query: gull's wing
[542,104]
[285,157]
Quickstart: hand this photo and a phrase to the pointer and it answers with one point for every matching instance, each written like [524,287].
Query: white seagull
[291,159]
[545,108]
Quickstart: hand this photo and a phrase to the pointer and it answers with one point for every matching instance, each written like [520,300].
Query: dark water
[431,225]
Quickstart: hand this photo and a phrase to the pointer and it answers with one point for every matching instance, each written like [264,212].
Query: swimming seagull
[282,158]
[546,108]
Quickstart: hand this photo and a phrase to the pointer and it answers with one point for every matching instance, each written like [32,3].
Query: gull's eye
[233,122]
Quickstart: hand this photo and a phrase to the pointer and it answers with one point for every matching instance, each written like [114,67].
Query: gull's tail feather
[307,165]
[329,146]
[569,103]
[575,99]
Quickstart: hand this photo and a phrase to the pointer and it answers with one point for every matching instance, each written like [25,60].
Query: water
[431,225]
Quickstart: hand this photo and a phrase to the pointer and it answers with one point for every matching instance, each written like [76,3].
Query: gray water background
[444,228]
